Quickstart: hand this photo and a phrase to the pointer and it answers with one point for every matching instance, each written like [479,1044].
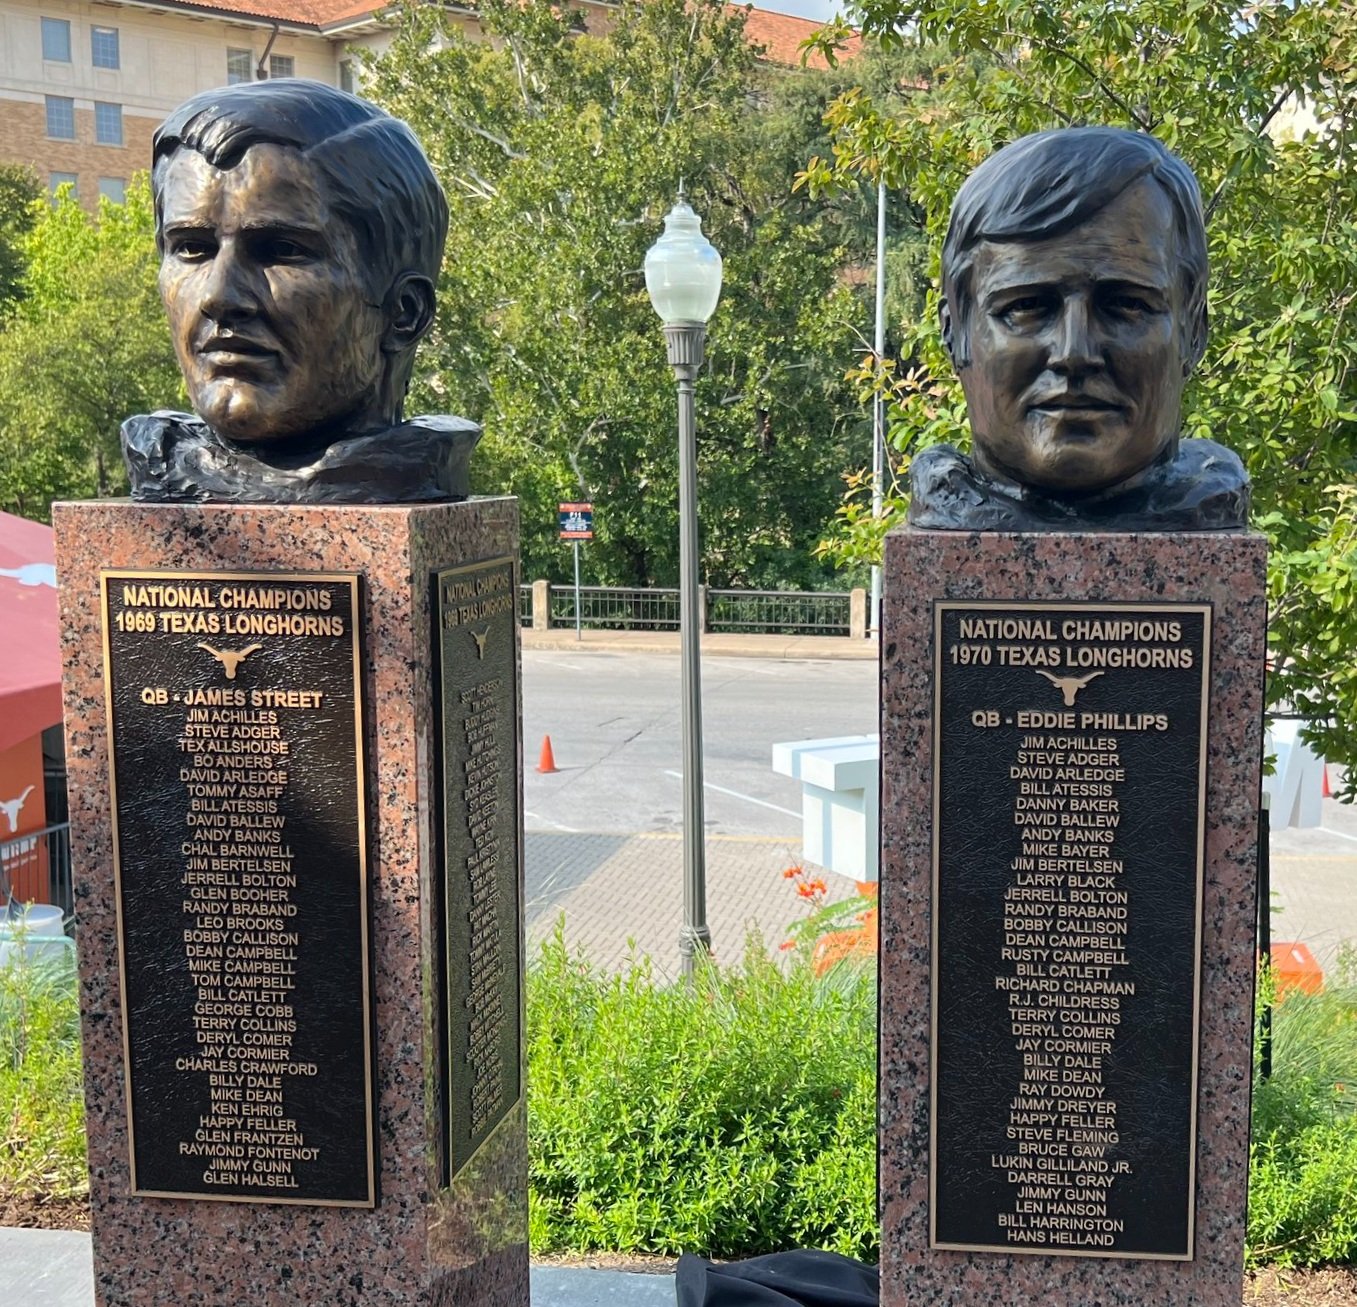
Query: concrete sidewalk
[623,894]
[1314,900]
[796,648]
[53,1268]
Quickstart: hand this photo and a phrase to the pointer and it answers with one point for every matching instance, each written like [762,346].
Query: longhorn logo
[1069,686]
[230,659]
[480,638]
[13,807]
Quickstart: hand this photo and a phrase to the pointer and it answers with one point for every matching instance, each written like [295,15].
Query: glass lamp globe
[683,269]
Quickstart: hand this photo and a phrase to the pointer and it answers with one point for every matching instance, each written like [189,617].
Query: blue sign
[577,521]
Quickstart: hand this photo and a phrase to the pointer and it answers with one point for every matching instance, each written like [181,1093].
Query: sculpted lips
[228,347]
[231,343]
[1075,403]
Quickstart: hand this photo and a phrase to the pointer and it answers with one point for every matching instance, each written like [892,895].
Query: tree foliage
[560,152]
[86,347]
[19,192]
[1220,85]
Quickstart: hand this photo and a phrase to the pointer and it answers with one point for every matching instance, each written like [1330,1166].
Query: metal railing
[36,861]
[779,612]
[615,608]
[642,608]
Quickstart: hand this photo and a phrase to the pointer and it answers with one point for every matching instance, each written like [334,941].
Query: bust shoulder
[1202,487]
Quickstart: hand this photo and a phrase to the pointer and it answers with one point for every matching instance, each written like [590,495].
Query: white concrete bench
[1296,788]
[840,792]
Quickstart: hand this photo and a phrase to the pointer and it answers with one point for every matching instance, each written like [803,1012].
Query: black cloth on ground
[797,1279]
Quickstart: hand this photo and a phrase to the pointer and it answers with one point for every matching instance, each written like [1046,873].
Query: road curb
[783,648]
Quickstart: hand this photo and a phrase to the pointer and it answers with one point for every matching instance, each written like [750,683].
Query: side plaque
[1068,816]
[236,740]
[475,616]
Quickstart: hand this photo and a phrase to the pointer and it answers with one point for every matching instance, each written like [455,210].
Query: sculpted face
[1078,349]
[271,316]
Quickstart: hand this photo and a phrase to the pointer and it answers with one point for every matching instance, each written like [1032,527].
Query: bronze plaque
[1068,824]
[239,835]
[475,614]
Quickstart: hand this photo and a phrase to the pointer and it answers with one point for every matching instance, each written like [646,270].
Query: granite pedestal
[1143,735]
[370,655]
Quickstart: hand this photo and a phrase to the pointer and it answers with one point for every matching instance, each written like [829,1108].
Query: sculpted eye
[192,249]
[282,249]
[1025,311]
[1129,304]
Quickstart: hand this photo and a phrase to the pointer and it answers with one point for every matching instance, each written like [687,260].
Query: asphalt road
[614,727]
[613,719]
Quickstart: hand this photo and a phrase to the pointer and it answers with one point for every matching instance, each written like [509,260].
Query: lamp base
[684,342]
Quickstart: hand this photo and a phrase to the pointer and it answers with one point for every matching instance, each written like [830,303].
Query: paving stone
[623,895]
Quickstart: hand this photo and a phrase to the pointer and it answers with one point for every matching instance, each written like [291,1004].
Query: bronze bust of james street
[1074,310]
[300,231]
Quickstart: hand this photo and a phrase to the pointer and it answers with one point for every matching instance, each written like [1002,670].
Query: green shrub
[733,1116]
[42,1111]
[1303,1159]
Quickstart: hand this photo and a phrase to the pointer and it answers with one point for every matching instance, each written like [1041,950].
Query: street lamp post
[683,276]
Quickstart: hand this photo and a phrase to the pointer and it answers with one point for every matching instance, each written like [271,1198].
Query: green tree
[86,347]
[560,152]
[19,192]
[1218,84]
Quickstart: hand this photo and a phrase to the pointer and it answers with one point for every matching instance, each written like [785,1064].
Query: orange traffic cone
[1328,793]
[547,762]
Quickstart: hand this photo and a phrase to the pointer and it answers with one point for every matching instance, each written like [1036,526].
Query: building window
[108,123]
[56,40]
[113,188]
[60,117]
[346,75]
[239,66]
[104,47]
[56,180]
[282,65]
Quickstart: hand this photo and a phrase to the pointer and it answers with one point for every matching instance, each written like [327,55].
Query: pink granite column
[1227,572]
[424,1243]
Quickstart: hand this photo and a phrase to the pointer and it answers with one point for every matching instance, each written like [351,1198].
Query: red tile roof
[312,14]
[782,34]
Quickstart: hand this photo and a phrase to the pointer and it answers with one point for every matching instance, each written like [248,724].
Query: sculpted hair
[1046,184]
[376,174]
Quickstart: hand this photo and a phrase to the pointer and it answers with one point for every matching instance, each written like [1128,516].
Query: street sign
[577,521]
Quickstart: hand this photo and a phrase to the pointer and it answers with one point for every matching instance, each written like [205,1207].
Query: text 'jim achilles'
[1069,769]
[235,713]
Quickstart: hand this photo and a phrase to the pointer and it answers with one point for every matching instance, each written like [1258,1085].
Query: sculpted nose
[1075,350]
[228,296]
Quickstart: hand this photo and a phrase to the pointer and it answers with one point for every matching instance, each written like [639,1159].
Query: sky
[820,10]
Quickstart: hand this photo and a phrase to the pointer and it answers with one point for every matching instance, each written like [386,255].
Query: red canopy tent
[30,649]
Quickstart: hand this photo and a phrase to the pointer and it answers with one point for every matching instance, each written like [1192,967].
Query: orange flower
[805,891]
[818,885]
[786,944]
[791,873]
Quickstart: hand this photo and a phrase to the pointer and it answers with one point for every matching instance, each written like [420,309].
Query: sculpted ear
[409,312]
[945,322]
[1197,331]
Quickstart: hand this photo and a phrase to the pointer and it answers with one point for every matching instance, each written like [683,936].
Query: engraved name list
[236,726]
[1068,827]
[478,668]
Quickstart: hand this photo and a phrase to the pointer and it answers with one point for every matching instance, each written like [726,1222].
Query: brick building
[84,83]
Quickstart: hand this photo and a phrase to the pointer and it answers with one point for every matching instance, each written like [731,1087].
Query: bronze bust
[1074,310]
[300,232]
